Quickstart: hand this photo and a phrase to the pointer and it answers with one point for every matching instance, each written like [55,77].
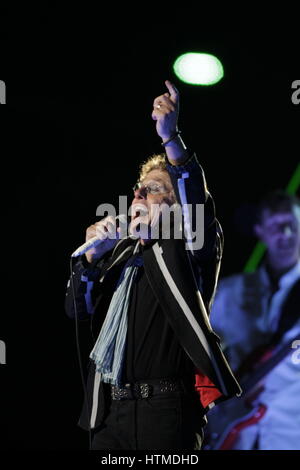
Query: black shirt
[152,348]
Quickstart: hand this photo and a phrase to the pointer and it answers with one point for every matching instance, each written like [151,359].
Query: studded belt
[140,390]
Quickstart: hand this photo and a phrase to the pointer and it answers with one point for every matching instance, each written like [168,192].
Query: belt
[140,390]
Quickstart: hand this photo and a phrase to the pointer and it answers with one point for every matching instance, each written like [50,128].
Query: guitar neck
[249,382]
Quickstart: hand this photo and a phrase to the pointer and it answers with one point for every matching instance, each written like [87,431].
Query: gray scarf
[108,352]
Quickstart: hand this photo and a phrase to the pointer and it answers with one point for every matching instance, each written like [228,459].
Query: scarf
[108,352]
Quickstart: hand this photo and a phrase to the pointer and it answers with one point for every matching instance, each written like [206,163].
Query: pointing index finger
[172,90]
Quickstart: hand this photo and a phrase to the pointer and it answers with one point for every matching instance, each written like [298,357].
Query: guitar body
[227,420]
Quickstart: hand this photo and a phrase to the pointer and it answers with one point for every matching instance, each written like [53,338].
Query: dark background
[80,86]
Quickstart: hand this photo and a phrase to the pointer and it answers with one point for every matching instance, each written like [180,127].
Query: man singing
[156,367]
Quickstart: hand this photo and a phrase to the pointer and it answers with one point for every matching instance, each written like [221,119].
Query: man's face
[155,191]
[280,231]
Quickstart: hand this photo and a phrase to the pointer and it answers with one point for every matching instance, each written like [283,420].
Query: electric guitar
[229,418]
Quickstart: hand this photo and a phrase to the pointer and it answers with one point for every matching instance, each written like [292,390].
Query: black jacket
[183,281]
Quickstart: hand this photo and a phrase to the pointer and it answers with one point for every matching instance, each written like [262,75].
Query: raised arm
[186,173]
[191,190]
[165,113]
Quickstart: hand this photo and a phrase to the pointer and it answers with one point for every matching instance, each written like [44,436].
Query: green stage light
[197,68]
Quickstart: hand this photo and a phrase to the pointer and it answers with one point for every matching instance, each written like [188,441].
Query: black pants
[171,421]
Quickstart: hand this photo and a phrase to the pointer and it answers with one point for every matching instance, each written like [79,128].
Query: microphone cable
[79,354]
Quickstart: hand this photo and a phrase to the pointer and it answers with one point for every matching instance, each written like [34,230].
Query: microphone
[94,241]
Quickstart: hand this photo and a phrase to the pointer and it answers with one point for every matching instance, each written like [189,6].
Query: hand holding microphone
[101,237]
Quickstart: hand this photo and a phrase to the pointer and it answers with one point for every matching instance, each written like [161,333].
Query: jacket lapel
[171,278]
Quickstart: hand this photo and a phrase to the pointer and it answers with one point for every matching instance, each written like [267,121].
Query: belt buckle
[142,390]
[119,393]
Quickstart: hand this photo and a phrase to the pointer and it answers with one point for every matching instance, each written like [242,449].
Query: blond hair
[155,162]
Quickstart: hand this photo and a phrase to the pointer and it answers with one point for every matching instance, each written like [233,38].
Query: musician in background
[253,311]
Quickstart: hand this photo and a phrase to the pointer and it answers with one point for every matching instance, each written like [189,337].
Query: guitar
[229,418]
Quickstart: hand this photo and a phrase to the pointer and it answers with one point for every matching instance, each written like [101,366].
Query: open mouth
[138,210]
